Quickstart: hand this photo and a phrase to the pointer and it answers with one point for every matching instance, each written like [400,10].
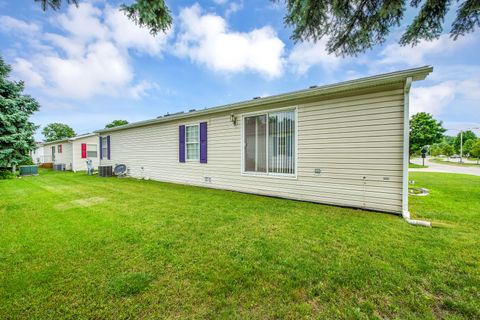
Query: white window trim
[242,145]
[198,143]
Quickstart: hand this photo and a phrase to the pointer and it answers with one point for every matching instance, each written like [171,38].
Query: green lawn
[74,246]
[416,166]
[453,163]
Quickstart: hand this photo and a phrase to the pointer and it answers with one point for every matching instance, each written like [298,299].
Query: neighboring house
[37,155]
[343,144]
[73,152]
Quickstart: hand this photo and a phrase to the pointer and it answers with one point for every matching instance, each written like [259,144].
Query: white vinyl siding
[354,140]
[79,163]
[192,142]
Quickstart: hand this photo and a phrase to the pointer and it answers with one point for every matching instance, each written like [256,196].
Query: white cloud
[305,55]
[233,7]
[24,70]
[206,39]
[83,23]
[220,2]
[9,24]
[141,88]
[414,56]
[434,99]
[102,70]
[128,35]
[88,57]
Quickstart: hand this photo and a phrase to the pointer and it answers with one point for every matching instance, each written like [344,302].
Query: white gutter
[406,157]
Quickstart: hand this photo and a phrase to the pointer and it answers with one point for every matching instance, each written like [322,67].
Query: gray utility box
[104,171]
[29,170]
[59,167]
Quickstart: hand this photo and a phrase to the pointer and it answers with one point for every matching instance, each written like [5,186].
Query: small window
[91,150]
[192,142]
[104,147]
[59,148]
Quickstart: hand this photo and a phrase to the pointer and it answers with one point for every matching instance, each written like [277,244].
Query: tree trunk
[14,169]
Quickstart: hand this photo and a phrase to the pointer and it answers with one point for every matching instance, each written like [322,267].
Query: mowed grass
[416,166]
[74,246]
[455,163]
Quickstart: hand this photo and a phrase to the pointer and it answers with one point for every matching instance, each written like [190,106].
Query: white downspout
[406,157]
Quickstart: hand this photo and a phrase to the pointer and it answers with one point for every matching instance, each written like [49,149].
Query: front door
[53,154]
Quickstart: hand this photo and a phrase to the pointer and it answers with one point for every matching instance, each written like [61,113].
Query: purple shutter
[108,147]
[203,142]
[181,143]
[100,144]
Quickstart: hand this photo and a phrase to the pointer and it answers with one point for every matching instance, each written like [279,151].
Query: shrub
[6,173]
[27,162]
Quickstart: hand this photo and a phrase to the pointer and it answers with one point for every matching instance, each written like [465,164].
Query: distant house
[37,154]
[73,152]
[343,144]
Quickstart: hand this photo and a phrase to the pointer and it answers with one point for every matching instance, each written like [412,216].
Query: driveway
[438,167]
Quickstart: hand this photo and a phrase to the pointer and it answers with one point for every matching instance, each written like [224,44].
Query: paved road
[438,167]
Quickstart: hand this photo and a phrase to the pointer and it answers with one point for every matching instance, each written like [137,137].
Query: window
[59,148]
[270,143]
[104,148]
[192,142]
[91,150]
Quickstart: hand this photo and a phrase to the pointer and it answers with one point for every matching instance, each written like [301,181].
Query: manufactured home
[343,144]
[73,152]
[37,155]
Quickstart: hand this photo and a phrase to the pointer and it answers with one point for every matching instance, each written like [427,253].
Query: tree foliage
[467,135]
[475,151]
[349,26]
[448,150]
[151,14]
[57,131]
[16,132]
[424,131]
[353,26]
[467,146]
[116,123]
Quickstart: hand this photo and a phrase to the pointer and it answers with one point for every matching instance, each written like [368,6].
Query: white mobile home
[37,155]
[342,144]
[73,152]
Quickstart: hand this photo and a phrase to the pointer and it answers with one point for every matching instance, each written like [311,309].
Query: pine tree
[16,131]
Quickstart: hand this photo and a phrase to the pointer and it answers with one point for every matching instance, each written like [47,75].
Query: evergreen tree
[16,131]
[350,26]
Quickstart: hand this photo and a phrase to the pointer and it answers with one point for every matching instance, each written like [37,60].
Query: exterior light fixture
[233,119]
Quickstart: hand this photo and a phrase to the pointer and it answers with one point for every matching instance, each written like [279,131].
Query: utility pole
[461,146]
[461,140]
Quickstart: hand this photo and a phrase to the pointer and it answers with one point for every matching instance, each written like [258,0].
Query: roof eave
[399,76]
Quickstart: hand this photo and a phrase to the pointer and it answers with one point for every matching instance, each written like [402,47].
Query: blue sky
[90,65]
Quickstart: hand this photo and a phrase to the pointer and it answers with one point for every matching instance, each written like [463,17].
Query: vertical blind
[281,136]
[270,142]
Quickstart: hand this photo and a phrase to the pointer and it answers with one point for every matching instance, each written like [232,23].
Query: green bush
[27,162]
[6,174]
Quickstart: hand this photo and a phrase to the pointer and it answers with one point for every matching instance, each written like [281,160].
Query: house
[73,152]
[343,144]
[37,155]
